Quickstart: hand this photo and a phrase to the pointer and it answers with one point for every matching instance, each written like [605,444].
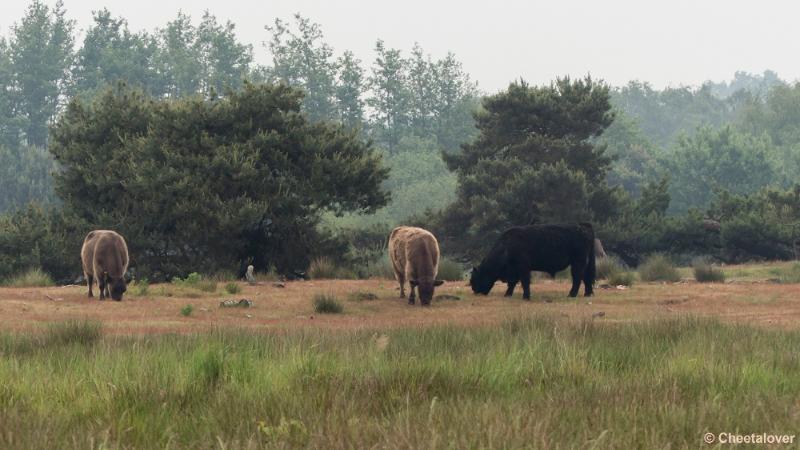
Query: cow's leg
[525,280]
[511,285]
[577,269]
[402,280]
[588,282]
[90,282]
[412,297]
[101,283]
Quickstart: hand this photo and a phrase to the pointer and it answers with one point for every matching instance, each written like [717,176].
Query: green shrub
[30,278]
[705,272]
[187,310]
[622,277]
[607,267]
[450,270]
[658,267]
[233,288]
[327,304]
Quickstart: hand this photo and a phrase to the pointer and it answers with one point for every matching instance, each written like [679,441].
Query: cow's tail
[591,268]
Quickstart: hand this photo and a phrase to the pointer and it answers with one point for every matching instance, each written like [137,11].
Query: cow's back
[104,251]
[549,248]
[414,252]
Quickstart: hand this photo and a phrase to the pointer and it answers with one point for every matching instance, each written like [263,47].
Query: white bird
[251,278]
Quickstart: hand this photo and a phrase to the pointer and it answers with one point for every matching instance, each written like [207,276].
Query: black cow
[543,248]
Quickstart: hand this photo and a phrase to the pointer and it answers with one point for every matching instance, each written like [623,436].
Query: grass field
[653,366]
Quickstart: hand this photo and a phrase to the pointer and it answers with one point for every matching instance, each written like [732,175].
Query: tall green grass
[537,382]
[30,278]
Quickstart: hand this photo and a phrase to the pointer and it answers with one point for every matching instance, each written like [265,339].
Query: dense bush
[706,272]
[658,267]
[202,185]
[33,238]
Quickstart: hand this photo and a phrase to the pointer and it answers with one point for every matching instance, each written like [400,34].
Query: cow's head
[117,287]
[480,281]
[425,288]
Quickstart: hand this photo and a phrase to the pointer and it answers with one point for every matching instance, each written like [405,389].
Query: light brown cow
[415,258]
[105,259]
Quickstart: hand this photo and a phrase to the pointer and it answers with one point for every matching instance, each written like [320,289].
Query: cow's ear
[438,282]
[413,283]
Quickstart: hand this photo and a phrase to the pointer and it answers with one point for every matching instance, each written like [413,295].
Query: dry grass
[748,297]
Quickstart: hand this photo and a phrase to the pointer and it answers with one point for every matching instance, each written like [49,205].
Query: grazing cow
[544,248]
[105,258]
[415,257]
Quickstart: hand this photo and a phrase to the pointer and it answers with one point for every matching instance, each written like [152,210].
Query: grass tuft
[705,272]
[30,278]
[658,267]
[327,304]
[323,268]
[233,288]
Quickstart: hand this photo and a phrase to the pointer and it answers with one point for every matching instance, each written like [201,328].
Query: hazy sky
[666,43]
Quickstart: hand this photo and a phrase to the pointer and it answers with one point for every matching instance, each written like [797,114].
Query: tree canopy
[199,184]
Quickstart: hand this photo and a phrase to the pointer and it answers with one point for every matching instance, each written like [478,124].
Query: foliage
[303,59]
[714,160]
[40,53]
[249,189]
[25,177]
[534,161]
[50,240]
[706,272]
[667,114]
[327,304]
[658,267]
[634,156]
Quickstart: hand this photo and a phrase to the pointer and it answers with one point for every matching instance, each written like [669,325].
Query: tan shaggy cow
[415,258]
[105,259]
